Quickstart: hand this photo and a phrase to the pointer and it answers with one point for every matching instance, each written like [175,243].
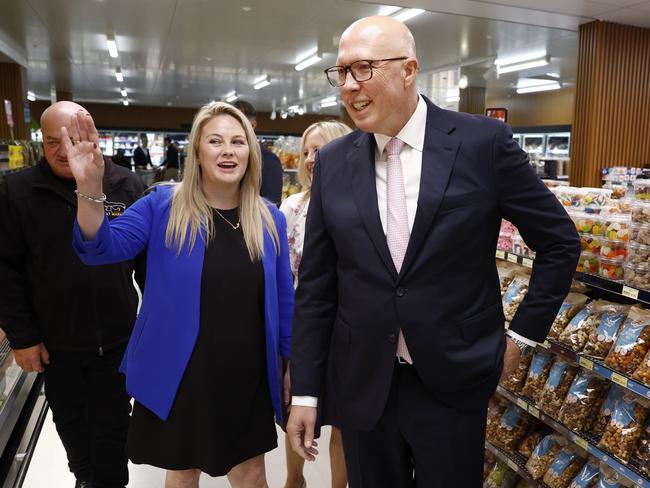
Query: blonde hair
[329,130]
[190,212]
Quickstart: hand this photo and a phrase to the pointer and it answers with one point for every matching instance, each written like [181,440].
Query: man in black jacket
[64,319]
[271,166]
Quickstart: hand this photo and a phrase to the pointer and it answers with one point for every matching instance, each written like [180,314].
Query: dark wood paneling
[612,105]
[12,88]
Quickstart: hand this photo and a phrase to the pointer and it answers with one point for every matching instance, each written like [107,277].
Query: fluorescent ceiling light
[539,88]
[283,114]
[123,92]
[328,100]
[329,104]
[517,62]
[388,9]
[452,99]
[553,75]
[118,75]
[408,14]
[273,115]
[308,62]
[31,97]
[463,82]
[536,63]
[125,102]
[293,108]
[231,96]
[261,82]
[112,47]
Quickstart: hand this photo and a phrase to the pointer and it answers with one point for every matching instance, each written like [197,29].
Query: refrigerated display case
[557,144]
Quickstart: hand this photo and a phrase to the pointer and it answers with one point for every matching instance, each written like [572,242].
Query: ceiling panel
[186,52]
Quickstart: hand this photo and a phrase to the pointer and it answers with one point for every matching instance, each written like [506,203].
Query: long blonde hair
[190,210]
[329,130]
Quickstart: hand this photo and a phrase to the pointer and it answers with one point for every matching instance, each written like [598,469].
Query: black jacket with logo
[46,294]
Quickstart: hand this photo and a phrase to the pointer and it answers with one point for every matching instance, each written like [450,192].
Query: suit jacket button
[392,338]
[400,292]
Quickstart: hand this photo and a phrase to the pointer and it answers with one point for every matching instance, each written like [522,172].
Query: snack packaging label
[584,478]
[624,413]
[578,388]
[514,288]
[511,417]
[629,336]
[562,462]
[539,363]
[579,318]
[555,376]
[544,446]
[609,324]
[614,396]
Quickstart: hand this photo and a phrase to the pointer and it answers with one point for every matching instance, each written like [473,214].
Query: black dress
[222,414]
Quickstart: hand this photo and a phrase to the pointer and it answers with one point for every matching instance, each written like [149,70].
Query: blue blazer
[167,326]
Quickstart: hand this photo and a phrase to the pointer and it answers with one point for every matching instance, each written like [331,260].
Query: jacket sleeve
[16,315]
[547,229]
[121,239]
[285,287]
[316,299]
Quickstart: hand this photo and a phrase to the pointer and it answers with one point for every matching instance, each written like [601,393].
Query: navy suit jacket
[351,302]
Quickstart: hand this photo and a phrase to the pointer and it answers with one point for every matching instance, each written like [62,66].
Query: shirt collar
[412,133]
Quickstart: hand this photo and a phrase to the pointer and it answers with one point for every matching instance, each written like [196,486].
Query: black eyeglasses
[361,70]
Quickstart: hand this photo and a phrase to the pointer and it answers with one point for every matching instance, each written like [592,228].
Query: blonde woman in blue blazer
[204,362]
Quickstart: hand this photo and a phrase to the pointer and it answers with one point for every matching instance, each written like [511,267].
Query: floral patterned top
[295,209]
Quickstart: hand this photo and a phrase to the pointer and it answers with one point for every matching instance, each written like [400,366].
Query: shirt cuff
[304,401]
[523,339]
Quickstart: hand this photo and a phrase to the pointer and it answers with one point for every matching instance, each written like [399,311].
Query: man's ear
[410,70]
[253,123]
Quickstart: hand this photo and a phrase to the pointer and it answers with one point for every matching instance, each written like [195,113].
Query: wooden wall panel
[533,109]
[612,104]
[472,100]
[12,87]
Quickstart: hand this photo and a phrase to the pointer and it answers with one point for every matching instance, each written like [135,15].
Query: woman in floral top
[294,209]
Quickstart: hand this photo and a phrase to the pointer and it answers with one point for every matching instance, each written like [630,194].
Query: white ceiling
[186,52]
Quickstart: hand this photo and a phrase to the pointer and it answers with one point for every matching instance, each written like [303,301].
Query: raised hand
[84,157]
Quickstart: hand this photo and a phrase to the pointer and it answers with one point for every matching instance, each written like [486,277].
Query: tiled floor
[48,468]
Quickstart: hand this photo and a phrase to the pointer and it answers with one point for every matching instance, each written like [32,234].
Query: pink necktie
[397,224]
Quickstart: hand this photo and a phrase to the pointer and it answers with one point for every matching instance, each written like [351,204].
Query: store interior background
[176,55]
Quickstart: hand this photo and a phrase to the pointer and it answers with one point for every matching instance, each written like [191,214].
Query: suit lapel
[361,165]
[438,156]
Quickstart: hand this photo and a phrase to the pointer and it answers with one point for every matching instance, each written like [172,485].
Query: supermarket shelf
[615,287]
[515,462]
[598,367]
[583,441]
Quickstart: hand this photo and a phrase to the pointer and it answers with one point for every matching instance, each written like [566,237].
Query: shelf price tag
[619,380]
[546,345]
[500,254]
[586,363]
[581,442]
[512,258]
[630,292]
[528,263]
[522,404]
[534,411]
[513,465]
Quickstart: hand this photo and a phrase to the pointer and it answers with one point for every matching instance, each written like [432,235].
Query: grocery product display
[564,467]
[543,455]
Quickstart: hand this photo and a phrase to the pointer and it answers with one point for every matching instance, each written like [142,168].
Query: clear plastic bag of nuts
[515,382]
[576,333]
[609,478]
[507,272]
[642,454]
[556,387]
[496,407]
[537,375]
[565,466]
[607,409]
[625,428]
[543,454]
[511,428]
[583,401]
[530,441]
[632,344]
[501,476]
[611,317]
[642,373]
[588,476]
[514,295]
[569,308]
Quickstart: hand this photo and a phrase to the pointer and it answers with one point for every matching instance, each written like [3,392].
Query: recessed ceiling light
[112,46]
[123,92]
[247,8]
[125,102]
[262,82]
[31,97]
